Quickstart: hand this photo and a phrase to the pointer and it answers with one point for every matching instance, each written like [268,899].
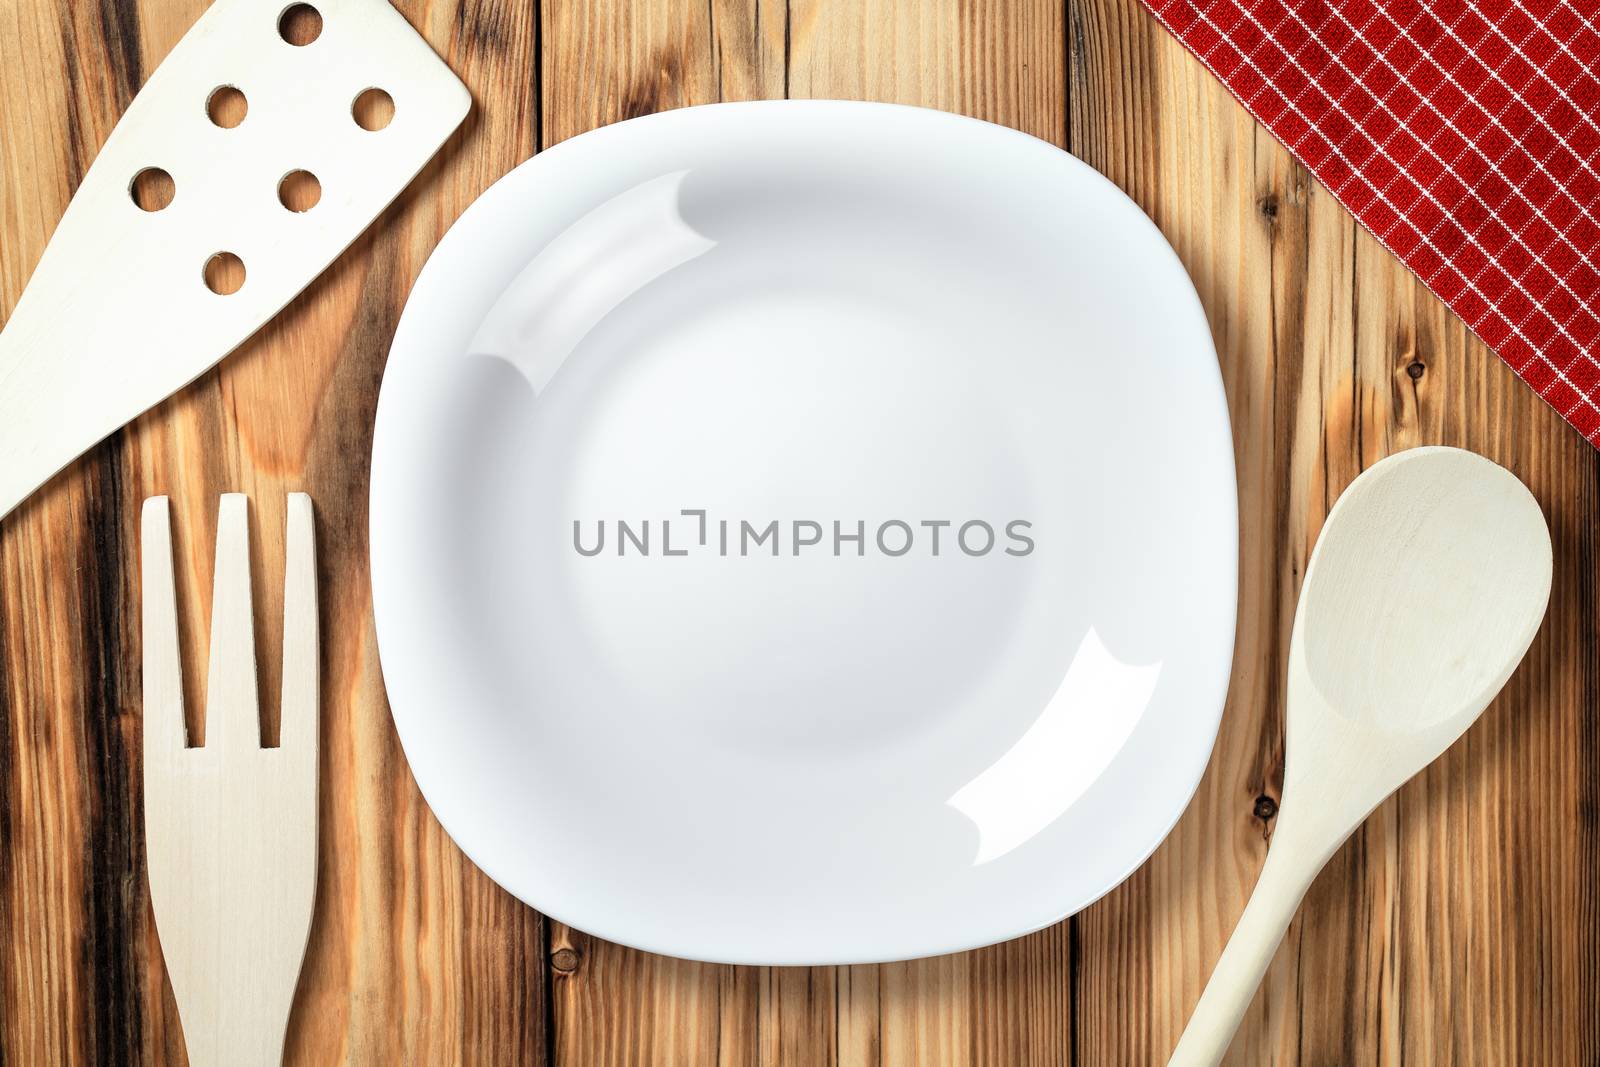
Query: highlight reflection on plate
[804,532]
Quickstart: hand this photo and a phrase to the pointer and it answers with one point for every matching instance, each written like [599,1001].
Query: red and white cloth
[1465,136]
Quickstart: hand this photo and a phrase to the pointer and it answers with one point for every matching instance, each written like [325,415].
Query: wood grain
[1456,927]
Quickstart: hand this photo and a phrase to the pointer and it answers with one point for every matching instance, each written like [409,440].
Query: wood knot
[1416,368]
[1265,807]
[564,960]
[1268,206]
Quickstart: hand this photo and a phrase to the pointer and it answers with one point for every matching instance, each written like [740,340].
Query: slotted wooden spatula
[119,314]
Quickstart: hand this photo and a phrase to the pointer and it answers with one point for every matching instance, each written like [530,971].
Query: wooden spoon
[1424,591]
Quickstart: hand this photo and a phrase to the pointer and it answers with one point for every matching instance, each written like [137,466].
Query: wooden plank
[615,59]
[1494,859]
[998,62]
[605,61]
[415,956]
[621,1006]
[1132,89]
[1452,926]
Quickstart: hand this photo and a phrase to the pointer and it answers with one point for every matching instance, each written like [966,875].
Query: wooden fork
[231,827]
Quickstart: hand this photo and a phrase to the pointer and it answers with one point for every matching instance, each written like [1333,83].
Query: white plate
[805,313]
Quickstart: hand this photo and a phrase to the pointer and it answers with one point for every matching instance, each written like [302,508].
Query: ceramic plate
[804,532]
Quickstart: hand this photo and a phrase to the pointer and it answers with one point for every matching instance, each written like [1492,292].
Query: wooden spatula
[135,294]
[231,828]
[1425,589]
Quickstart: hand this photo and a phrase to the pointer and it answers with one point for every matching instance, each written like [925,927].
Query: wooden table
[1459,925]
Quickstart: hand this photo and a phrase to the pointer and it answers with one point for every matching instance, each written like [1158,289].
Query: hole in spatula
[224,273]
[299,190]
[373,109]
[152,189]
[300,24]
[227,106]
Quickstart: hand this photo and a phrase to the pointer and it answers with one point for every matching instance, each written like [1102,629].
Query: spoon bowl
[1402,597]
[1426,587]
[1423,594]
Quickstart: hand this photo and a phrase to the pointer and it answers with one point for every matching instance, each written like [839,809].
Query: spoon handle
[1285,877]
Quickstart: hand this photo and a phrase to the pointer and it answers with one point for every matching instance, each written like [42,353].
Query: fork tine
[164,731]
[298,729]
[232,714]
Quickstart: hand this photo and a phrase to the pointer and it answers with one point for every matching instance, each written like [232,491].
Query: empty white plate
[804,532]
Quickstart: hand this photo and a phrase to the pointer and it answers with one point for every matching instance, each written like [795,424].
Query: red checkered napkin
[1464,136]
